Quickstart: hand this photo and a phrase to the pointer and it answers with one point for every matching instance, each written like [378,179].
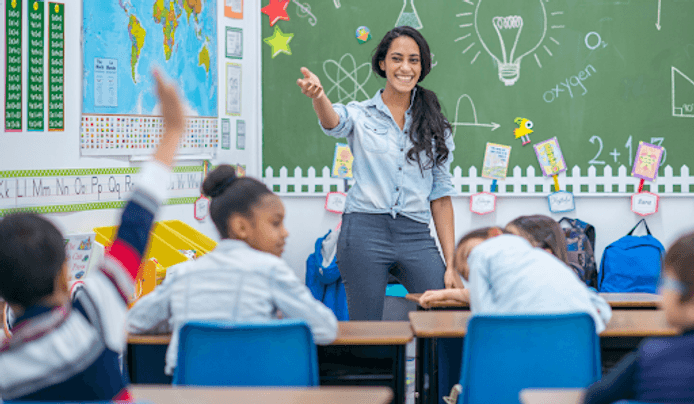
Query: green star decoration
[279,41]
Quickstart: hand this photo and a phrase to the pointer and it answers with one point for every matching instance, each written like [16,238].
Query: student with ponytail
[402,147]
[243,279]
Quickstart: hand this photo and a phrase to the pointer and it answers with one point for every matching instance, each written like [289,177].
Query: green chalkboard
[601,75]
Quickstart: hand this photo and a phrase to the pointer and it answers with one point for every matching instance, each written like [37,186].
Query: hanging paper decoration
[523,130]
[279,42]
[483,203]
[342,162]
[276,10]
[646,165]
[552,163]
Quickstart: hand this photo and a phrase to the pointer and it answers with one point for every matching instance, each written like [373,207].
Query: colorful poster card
[233,9]
[647,161]
[56,73]
[36,88]
[78,249]
[234,43]
[342,162]
[496,158]
[550,157]
[13,66]
[335,202]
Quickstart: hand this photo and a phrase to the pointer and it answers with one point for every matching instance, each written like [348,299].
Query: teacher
[402,147]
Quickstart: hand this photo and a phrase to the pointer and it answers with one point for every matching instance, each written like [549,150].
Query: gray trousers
[372,245]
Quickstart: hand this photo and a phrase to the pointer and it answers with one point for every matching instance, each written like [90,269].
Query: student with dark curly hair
[402,147]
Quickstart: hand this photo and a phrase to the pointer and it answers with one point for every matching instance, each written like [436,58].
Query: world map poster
[123,40]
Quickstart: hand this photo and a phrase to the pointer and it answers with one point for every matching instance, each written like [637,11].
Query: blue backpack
[631,264]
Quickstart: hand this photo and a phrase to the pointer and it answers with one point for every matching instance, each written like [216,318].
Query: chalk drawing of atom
[346,79]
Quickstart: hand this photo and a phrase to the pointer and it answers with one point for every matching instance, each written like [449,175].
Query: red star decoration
[276,10]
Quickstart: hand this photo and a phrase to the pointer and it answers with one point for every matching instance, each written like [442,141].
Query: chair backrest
[276,353]
[504,354]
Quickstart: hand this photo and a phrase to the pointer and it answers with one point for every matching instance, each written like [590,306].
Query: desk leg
[400,373]
[425,377]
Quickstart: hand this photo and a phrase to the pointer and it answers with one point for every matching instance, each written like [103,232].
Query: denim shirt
[385,182]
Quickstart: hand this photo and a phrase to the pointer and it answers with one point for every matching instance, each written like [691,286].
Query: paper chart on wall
[233,9]
[233,87]
[78,251]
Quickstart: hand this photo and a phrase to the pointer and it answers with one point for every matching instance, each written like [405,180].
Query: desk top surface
[552,396]
[624,323]
[615,300]
[270,395]
[349,333]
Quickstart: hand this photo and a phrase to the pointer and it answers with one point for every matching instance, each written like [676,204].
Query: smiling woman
[402,147]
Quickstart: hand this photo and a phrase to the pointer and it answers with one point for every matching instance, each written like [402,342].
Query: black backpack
[580,243]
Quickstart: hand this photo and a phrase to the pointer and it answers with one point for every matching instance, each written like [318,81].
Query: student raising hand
[174,120]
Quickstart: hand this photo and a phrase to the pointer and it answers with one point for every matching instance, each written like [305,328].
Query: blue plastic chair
[276,353]
[504,354]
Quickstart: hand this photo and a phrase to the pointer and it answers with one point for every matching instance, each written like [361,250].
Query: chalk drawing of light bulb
[511,36]
[408,15]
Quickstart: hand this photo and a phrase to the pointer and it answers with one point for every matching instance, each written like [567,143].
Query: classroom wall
[53,150]
[307,220]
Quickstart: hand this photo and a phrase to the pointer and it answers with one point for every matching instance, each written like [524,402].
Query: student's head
[467,243]
[677,282]
[32,261]
[543,232]
[245,209]
[403,58]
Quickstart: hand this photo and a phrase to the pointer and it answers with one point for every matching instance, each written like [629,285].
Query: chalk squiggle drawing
[304,10]
[349,73]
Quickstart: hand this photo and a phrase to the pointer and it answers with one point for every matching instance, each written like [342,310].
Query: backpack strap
[648,231]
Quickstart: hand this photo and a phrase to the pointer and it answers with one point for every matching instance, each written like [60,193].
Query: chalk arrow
[657,24]
[492,125]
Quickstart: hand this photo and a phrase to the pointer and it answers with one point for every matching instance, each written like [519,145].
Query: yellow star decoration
[279,41]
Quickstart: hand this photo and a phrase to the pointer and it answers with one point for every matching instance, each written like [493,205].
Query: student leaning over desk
[242,279]
[402,147]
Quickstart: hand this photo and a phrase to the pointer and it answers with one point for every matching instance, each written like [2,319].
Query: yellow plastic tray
[192,236]
[158,248]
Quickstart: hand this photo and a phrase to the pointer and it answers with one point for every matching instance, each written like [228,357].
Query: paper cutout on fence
[335,202]
[483,203]
[644,203]
[276,10]
[647,161]
[496,158]
[561,201]
[342,162]
[78,250]
[279,42]
[550,157]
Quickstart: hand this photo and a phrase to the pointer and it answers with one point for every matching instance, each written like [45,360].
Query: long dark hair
[544,232]
[230,195]
[429,126]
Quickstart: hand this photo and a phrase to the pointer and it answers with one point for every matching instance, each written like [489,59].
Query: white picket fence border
[580,185]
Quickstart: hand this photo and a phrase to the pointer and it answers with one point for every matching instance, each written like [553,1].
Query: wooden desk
[201,395]
[624,332]
[618,301]
[364,353]
[552,396]
[632,300]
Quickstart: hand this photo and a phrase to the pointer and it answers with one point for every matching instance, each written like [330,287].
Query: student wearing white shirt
[243,279]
